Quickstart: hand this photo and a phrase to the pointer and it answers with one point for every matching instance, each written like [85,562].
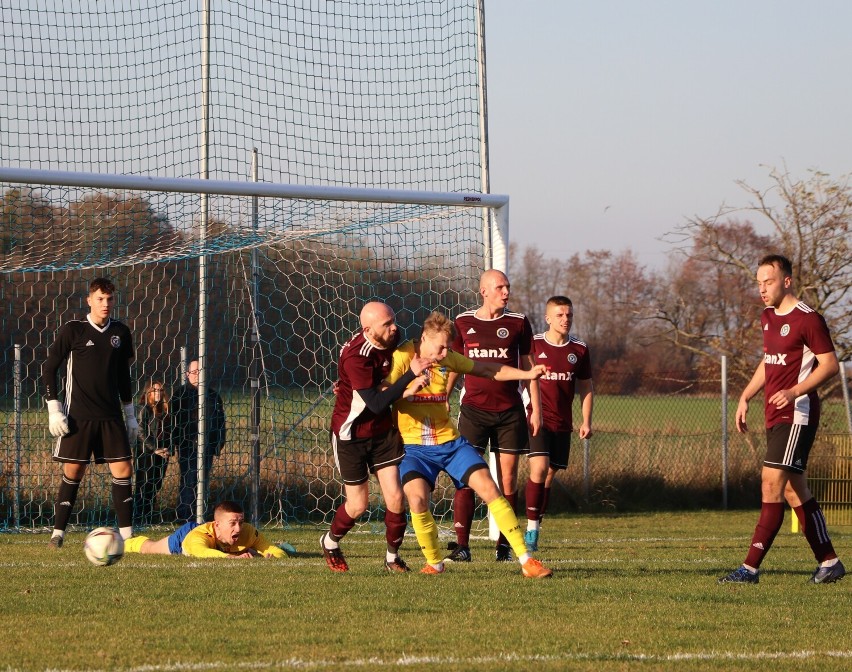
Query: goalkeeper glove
[57,422]
[131,423]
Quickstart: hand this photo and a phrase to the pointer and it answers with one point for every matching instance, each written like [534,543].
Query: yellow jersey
[424,419]
[202,543]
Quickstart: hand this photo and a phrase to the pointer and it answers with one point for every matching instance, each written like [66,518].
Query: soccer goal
[263,295]
[369,180]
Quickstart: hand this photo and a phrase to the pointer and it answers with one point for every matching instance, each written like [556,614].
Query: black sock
[65,502]
[122,501]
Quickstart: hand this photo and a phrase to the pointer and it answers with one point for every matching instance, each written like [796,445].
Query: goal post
[289,268]
[385,98]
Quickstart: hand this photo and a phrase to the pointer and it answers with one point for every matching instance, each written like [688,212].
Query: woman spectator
[154,446]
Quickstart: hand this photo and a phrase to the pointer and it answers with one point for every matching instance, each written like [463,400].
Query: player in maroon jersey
[569,368]
[491,411]
[798,357]
[97,417]
[362,434]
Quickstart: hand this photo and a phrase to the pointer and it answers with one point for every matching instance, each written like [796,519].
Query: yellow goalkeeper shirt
[424,419]
[202,543]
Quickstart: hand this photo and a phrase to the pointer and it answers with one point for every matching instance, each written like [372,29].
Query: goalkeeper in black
[96,417]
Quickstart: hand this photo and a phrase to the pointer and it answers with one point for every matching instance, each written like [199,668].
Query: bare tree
[710,305]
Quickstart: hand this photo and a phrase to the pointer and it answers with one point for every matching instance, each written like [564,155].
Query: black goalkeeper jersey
[97,376]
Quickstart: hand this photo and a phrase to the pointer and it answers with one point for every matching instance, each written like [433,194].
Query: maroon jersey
[362,366]
[565,364]
[504,339]
[790,344]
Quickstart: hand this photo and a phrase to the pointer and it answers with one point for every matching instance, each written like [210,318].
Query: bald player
[362,433]
[492,411]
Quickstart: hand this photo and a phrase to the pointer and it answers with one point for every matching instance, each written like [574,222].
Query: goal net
[254,269]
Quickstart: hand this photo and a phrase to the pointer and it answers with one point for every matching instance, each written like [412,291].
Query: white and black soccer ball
[104,546]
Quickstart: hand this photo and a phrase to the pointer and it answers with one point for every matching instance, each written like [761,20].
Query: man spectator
[185,437]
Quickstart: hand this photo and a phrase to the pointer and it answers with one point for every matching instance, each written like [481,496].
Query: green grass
[629,592]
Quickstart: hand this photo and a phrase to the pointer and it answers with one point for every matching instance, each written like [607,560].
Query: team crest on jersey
[115,341]
[572,358]
[502,332]
[785,330]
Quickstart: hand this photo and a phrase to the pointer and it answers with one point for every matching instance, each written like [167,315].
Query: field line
[406,661]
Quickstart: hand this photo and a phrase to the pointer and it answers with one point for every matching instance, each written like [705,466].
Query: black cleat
[459,554]
[333,557]
[503,554]
[55,543]
[740,575]
[397,566]
[829,574]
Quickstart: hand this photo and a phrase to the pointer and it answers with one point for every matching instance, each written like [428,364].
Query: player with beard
[798,357]
[362,433]
[492,412]
[569,368]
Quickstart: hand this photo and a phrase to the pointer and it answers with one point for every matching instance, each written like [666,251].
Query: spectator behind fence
[185,437]
[152,448]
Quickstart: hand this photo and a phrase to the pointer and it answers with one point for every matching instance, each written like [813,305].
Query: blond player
[433,443]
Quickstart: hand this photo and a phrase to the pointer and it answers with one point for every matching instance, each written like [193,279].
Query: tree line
[673,323]
[705,303]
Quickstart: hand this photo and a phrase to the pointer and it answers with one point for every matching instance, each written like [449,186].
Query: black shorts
[105,439]
[557,445]
[356,459]
[788,447]
[507,431]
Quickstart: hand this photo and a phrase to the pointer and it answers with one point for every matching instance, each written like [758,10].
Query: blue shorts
[458,458]
[176,538]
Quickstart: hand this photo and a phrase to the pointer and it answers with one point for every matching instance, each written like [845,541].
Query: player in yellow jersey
[433,443]
[228,536]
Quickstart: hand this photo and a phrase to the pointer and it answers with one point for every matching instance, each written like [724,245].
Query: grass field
[629,592]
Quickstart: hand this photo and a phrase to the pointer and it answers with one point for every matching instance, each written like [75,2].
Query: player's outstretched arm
[503,373]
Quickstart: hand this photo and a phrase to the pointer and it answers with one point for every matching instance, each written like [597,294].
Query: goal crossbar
[260,189]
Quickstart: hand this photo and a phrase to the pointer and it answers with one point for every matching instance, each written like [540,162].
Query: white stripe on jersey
[355,409]
[69,370]
[366,348]
[571,339]
[802,408]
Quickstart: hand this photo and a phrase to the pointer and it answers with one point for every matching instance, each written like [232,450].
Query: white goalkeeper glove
[57,422]
[131,423]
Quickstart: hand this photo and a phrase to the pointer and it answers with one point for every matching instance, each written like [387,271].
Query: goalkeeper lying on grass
[228,536]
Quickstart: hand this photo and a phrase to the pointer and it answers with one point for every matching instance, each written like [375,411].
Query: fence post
[16,505]
[844,383]
[724,432]
[586,476]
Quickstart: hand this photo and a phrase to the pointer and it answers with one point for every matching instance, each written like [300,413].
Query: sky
[612,122]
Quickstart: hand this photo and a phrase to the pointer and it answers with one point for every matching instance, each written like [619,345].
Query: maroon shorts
[557,445]
[356,459]
[507,431]
[788,447]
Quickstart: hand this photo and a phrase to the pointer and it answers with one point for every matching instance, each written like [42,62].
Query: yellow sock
[507,523]
[427,536]
[133,544]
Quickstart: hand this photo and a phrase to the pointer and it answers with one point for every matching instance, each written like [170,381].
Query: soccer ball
[104,546]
